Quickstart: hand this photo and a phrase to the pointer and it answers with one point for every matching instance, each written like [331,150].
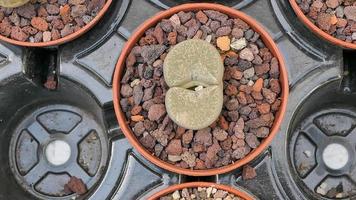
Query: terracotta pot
[120,67]
[173,188]
[65,39]
[317,30]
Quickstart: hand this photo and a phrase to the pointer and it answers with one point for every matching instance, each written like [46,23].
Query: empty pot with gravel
[48,23]
[333,20]
[201,190]
[200,89]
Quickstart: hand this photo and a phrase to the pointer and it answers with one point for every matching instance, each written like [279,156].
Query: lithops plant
[12,3]
[193,70]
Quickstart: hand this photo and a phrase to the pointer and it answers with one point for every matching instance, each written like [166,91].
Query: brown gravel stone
[156,112]
[174,147]
[248,172]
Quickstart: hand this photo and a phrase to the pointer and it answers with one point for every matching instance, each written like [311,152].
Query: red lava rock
[172,38]
[257,87]
[236,74]
[275,106]
[220,134]
[237,33]
[211,154]
[350,12]
[215,15]
[274,72]
[231,90]
[324,21]
[248,172]
[241,24]
[202,17]
[166,26]
[147,141]
[64,12]
[156,112]
[126,90]
[158,34]
[52,9]
[242,98]
[139,128]
[232,104]
[137,118]
[269,95]
[332,3]
[275,86]
[203,137]
[187,137]
[136,110]
[76,185]
[264,108]
[239,129]
[223,123]
[5,28]
[214,25]
[152,52]
[261,132]
[222,31]
[26,11]
[39,23]
[174,147]
[51,83]
[160,136]
[78,11]
[238,153]
[67,30]
[18,34]
[252,140]
[262,69]
[184,16]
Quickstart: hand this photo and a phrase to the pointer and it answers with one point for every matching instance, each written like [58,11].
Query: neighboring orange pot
[317,30]
[65,39]
[120,67]
[174,188]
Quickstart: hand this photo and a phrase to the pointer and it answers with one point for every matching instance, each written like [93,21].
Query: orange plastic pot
[65,39]
[174,188]
[120,67]
[317,30]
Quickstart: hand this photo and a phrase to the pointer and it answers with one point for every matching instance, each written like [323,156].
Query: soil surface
[251,91]
[208,193]
[47,20]
[335,17]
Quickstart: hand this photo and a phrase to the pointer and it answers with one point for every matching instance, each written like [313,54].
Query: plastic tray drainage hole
[58,152]
[41,66]
[335,156]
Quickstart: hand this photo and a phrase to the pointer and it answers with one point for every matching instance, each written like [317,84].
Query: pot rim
[317,30]
[173,188]
[65,39]
[120,66]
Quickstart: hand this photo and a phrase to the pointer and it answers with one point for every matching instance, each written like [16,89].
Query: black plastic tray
[86,65]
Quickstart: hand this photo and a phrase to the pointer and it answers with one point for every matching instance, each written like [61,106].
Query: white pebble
[176,195]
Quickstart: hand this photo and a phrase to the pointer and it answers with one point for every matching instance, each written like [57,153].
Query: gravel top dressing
[207,193]
[44,21]
[251,91]
[335,17]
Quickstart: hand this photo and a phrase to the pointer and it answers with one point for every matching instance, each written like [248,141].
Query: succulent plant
[193,70]
[12,3]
